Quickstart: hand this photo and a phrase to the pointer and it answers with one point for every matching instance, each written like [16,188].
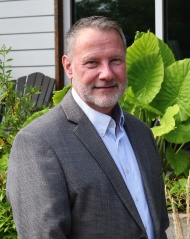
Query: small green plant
[175,194]
[176,188]
[14,108]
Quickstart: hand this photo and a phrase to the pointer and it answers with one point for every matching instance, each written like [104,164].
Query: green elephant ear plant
[158,93]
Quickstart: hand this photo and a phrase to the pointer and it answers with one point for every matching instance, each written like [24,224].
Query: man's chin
[106,103]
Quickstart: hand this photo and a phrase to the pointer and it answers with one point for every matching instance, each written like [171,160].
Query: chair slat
[49,92]
[36,80]
[20,83]
[45,85]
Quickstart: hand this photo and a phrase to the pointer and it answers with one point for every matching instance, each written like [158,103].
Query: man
[86,169]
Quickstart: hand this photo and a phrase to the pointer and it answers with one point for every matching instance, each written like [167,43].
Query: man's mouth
[105,86]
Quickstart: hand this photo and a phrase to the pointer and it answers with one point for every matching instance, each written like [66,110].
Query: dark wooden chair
[43,83]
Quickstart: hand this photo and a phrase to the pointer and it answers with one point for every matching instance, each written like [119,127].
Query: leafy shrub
[14,111]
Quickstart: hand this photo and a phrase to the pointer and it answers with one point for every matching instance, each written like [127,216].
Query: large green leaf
[129,99]
[59,94]
[166,53]
[175,89]
[146,44]
[179,161]
[167,122]
[131,104]
[35,115]
[145,76]
[138,35]
[180,135]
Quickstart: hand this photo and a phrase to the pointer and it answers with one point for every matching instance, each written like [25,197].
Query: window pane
[133,16]
[178,27]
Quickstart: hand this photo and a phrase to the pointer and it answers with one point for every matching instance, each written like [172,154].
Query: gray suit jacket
[63,183]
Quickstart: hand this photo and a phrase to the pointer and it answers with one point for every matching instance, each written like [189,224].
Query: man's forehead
[90,38]
[88,30]
[92,34]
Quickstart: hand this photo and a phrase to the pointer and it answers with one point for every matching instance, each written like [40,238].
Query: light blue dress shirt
[116,140]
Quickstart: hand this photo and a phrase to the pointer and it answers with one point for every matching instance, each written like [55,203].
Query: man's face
[98,68]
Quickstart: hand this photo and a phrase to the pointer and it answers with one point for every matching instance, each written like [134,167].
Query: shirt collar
[99,120]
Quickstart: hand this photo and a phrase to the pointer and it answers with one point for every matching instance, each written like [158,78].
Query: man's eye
[91,64]
[116,61]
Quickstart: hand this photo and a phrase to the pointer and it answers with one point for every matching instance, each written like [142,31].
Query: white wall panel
[32,58]
[26,25]
[27,8]
[29,41]
[24,71]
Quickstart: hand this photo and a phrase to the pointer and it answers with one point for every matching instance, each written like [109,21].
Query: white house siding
[28,27]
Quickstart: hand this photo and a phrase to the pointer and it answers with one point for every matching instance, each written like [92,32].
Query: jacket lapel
[93,143]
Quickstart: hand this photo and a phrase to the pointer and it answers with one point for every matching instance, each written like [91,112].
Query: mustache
[105,84]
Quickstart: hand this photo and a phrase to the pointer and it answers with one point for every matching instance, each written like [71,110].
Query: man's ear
[67,66]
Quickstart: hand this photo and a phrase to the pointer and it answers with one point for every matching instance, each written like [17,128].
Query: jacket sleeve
[37,190]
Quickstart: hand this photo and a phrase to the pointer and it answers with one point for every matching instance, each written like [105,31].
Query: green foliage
[7,227]
[158,94]
[15,109]
[176,188]
[175,89]
[58,95]
[167,122]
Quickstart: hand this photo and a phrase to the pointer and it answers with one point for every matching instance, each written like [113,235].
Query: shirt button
[112,123]
[137,199]
[127,170]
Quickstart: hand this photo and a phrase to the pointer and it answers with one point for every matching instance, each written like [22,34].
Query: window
[177,27]
[133,16]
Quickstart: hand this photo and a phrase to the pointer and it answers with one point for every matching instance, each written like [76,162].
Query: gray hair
[95,22]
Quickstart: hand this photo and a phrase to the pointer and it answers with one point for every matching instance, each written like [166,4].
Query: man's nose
[106,72]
